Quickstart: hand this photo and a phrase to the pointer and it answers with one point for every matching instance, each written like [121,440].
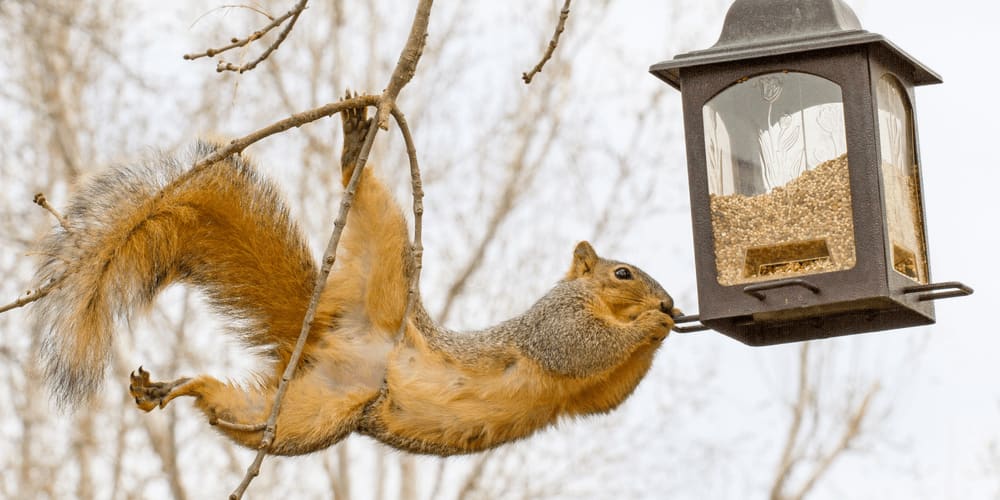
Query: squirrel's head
[626,290]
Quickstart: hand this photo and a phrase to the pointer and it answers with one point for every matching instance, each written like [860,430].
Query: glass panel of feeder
[901,180]
[776,155]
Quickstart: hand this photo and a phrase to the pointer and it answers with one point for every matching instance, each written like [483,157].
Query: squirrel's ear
[584,260]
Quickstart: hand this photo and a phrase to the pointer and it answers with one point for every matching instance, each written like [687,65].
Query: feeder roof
[761,28]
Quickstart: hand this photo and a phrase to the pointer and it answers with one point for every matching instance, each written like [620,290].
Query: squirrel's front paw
[656,324]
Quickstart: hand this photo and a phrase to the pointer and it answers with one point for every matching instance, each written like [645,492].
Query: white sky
[958,392]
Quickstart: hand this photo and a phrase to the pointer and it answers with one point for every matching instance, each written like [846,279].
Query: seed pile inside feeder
[902,188]
[812,211]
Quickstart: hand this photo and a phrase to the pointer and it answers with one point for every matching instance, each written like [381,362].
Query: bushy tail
[131,231]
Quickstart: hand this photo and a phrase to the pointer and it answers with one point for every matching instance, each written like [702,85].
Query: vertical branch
[406,67]
[472,480]
[83,448]
[522,171]
[159,440]
[118,458]
[798,412]
[401,76]
[380,465]
[329,257]
[407,466]
[407,478]
[851,432]
[560,26]
[343,471]
[793,458]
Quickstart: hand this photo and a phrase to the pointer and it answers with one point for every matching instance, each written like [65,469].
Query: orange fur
[581,349]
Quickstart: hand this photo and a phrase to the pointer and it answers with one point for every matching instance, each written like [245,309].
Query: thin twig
[30,296]
[329,257]
[798,412]
[225,66]
[417,251]
[236,146]
[402,74]
[472,480]
[41,201]
[406,66]
[225,424]
[851,432]
[560,26]
[521,172]
[291,16]
[418,215]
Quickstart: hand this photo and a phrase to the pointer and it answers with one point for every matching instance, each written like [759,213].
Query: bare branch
[851,432]
[793,458]
[472,480]
[400,77]
[560,26]
[291,16]
[297,120]
[798,413]
[41,201]
[329,257]
[29,297]
[225,424]
[407,64]
[521,173]
[418,212]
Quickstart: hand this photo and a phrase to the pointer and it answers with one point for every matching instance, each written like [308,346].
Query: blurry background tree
[515,174]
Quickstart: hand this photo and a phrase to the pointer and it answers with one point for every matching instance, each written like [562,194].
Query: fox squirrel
[131,231]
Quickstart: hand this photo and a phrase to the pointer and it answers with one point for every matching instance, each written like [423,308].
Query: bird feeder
[804,172]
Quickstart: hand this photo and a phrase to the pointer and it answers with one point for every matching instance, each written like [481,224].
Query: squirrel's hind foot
[148,394]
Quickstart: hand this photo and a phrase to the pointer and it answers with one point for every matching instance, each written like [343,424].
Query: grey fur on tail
[94,289]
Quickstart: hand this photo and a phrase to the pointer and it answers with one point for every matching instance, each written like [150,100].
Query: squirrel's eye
[623,273]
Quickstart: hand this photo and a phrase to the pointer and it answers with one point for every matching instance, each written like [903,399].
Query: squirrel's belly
[349,361]
[432,406]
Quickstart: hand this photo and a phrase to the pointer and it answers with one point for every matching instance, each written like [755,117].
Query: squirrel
[133,230]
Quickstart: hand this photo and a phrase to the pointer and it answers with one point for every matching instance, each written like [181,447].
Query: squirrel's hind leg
[313,415]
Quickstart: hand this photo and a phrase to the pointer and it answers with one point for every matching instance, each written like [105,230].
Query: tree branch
[560,26]
[329,258]
[793,458]
[29,297]
[418,214]
[236,146]
[798,413]
[41,201]
[291,16]
[851,432]
[406,66]
[402,75]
